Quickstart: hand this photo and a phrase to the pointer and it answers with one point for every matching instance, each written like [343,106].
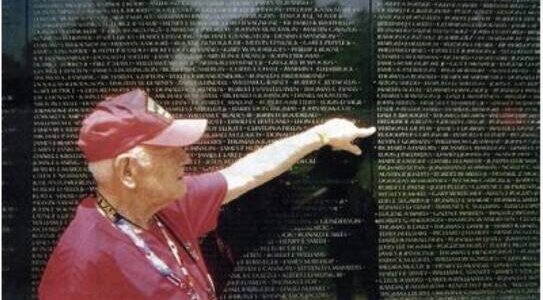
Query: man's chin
[173,192]
[180,195]
[182,189]
[173,197]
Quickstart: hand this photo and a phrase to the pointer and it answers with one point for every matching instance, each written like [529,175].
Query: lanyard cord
[193,255]
[128,228]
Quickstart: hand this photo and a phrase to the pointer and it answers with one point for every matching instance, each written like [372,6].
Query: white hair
[102,170]
[140,154]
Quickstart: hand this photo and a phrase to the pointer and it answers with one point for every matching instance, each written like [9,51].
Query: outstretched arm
[266,163]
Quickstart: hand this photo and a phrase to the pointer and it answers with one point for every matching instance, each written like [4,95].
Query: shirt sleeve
[201,204]
[66,278]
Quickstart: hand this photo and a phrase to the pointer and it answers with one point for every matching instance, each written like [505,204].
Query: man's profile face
[162,173]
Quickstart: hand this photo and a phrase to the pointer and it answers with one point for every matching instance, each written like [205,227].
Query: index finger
[364,132]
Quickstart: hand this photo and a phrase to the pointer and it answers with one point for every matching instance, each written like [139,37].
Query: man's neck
[135,210]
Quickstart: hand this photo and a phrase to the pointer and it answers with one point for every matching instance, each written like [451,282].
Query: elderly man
[137,237]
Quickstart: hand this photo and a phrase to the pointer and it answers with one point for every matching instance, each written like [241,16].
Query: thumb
[352,148]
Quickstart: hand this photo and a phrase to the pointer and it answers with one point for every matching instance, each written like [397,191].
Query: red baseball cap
[120,123]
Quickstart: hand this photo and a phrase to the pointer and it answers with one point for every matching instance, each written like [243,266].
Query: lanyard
[127,228]
[188,248]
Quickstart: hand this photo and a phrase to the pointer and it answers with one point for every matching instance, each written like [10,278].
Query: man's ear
[124,166]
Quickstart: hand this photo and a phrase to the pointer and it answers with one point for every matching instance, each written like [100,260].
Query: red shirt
[95,260]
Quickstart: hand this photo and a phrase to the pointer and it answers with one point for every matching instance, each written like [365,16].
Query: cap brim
[180,133]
